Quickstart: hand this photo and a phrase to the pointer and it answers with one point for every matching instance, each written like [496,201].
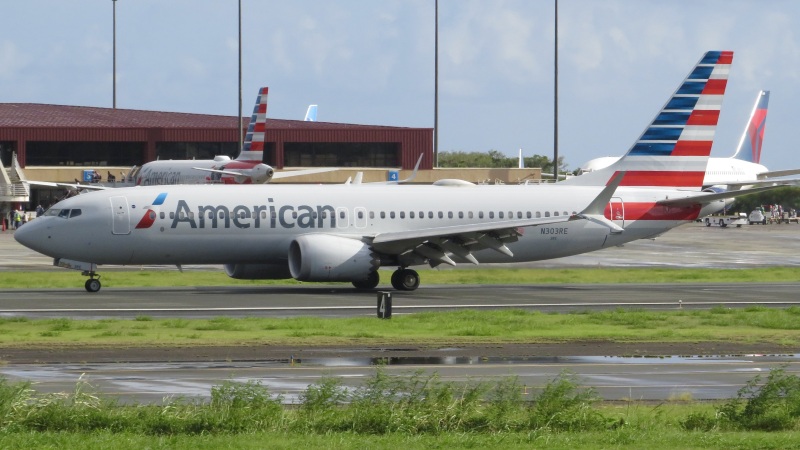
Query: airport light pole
[555,102]
[436,86]
[240,77]
[114,57]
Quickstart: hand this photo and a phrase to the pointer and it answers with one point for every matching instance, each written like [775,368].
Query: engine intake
[323,257]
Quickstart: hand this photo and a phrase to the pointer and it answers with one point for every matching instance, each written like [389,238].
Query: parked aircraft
[741,169]
[248,167]
[346,233]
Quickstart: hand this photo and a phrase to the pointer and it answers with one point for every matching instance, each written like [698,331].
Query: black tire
[92,285]
[405,279]
[708,222]
[370,283]
[722,223]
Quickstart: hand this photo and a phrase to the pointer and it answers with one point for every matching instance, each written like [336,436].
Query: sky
[372,62]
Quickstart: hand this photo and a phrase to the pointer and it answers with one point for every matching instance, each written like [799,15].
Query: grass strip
[755,324]
[168,277]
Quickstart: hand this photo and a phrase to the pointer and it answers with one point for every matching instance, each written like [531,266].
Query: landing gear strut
[405,279]
[92,284]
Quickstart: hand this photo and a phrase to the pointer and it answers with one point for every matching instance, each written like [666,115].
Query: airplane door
[120,216]
[360,217]
[617,211]
[342,220]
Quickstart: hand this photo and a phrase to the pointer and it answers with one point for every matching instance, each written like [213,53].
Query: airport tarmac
[149,376]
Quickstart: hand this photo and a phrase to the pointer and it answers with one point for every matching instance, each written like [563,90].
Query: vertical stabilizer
[253,145]
[753,137]
[673,150]
[311,114]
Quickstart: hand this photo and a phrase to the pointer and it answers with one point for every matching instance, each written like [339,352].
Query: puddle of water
[476,360]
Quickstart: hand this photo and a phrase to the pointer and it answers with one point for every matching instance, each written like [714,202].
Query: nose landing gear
[92,284]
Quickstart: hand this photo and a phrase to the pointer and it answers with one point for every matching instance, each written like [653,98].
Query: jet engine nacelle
[261,173]
[323,257]
[258,271]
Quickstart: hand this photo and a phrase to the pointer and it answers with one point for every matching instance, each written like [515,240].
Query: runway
[615,378]
[268,301]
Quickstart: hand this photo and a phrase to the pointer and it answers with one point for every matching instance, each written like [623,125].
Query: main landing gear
[403,279]
[92,284]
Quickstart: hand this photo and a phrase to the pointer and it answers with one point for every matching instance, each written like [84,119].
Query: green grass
[408,411]
[749,325]
[166,278]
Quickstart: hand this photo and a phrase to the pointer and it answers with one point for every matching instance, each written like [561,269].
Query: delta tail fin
[753,137]
[673,150]
[253,145]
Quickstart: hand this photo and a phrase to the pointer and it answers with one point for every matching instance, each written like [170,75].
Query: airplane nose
[31,235]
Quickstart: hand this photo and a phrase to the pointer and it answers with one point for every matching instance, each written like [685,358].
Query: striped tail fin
[750,145]
[673,150]
[253,145]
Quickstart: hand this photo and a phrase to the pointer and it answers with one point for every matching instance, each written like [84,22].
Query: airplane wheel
[370,283]
[405,279]
[92,285]
[708,222]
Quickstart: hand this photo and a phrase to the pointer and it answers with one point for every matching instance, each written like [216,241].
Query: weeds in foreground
[412,405]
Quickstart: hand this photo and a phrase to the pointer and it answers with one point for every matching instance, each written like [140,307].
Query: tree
[496,159]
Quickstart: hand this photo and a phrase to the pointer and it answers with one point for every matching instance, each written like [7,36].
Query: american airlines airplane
[347,232]
[741,169]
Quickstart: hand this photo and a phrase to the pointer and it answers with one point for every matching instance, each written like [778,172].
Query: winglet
[413,173]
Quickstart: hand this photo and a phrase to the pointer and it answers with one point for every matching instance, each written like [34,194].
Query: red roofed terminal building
[56,143]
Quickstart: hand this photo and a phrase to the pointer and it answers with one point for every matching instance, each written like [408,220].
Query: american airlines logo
[257,216]
[149,216]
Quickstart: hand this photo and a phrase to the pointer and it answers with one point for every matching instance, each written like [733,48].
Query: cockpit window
[63,213]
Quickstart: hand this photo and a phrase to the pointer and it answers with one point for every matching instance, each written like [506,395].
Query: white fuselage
[257,223]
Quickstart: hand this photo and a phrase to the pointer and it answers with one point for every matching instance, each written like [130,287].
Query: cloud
[12,61]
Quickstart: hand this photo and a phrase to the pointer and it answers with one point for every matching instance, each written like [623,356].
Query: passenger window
[162,215]
[75,213]
[519,214]
[430,214]
[538,215]
[360,214]
[264,214]
[500,215]
[171,215]
[372,214]
[441,215]
[491,214]
[411,214]
[470,215]
[480,214]
[555,214]
[391,214]
[402,214]
[461,214]
[449,214]
[422,214]
[383,214]
[222,214]
[547,213]
[528,214]
[294,215]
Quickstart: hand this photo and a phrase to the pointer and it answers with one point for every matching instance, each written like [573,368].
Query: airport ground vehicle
[757,216]
[723,221]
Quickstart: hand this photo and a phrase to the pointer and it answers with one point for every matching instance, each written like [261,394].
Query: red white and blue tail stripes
[253,145]
[750,146]
[673,150]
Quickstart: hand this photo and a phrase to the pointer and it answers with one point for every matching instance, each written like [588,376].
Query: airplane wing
[778,174]
[708,197]
[284,174]
[461,241]
[76,186]
[738,185]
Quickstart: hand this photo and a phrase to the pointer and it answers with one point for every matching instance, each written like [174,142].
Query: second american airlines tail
[347,232]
